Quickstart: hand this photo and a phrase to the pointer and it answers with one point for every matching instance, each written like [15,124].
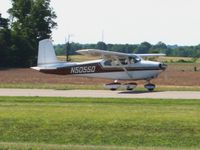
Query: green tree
[5,41]
[32,22]
[160,47]
[144,47]
[3,22]
[5,44]
[101,45]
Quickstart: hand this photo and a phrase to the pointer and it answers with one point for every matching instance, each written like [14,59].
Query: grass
[88,123]
[42,146]
[180,60]
[178,88]
[78,58]
[52,86]
[91,87]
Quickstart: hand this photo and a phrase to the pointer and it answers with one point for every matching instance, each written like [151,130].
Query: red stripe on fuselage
[92,68]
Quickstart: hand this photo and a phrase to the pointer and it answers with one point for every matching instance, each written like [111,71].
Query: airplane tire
[113,89]
[150,87]
[130,86]
[113,86]
[129,89]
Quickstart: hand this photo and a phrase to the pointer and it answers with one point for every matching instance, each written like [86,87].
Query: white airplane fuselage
[143,70]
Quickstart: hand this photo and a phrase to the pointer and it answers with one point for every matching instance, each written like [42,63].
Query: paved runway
[100,93]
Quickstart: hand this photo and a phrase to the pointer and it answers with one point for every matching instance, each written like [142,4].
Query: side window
[108,63]
[124,61]
[112,63]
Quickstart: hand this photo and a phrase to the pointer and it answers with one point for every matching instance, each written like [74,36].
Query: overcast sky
[126,21]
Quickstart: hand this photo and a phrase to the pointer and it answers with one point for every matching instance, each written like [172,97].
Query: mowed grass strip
[43,146]
[111,122]
[92,87]
[53,86]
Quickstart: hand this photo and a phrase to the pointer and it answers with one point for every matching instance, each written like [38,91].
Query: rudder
[46,53]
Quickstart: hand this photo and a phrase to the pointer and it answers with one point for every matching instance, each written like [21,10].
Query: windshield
[134,59]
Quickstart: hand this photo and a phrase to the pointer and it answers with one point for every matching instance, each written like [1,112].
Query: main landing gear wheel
[113,86]
[150,87]
[130,86]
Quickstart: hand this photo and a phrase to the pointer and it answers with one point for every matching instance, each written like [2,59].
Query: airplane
[112,65]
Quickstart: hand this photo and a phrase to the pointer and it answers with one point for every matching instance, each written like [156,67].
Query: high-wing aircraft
[112,65]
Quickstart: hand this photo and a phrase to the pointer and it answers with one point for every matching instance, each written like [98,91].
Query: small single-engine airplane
[113,65]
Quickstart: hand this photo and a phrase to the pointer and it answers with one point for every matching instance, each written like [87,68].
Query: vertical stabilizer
[46,53]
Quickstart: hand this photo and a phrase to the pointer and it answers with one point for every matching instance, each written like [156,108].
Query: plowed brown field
[176,74]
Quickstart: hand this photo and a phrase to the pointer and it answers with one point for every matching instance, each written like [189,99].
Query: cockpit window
[108,63]
[122,61]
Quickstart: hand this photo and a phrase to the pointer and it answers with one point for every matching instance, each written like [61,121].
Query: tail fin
[46,53]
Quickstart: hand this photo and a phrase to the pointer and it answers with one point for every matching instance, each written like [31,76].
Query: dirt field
[176,74]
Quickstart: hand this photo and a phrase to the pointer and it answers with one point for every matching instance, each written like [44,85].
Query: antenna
[68,46]
[102,36]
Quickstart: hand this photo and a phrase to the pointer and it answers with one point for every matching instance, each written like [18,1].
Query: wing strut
[129,75]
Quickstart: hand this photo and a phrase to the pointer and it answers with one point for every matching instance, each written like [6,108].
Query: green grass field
[92,87]
[88,123]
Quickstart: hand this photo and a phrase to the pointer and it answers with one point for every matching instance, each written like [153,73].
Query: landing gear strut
[150,87]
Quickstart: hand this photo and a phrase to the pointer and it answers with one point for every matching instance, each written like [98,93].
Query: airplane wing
[102,53]
[151,55]
[111,54]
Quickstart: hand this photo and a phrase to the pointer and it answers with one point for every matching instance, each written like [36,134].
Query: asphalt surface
[100,93]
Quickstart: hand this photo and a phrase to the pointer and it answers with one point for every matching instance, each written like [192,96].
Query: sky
[125,21]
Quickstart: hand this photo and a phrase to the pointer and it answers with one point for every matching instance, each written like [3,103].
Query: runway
[100,93]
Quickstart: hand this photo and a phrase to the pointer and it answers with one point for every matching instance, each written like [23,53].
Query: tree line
[30,21]
[33,20]
[144,47]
